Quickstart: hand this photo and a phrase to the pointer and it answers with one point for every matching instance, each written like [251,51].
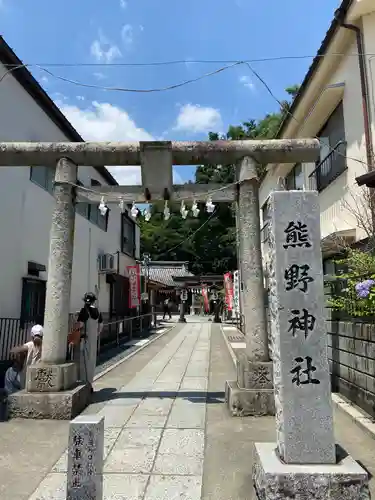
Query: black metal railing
[14,332]
[331,167]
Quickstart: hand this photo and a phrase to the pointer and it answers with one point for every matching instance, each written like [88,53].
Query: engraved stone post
[56,318]
[303,463]
[304,420]
[85,458]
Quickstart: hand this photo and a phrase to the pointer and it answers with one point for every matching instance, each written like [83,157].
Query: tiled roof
[164,274]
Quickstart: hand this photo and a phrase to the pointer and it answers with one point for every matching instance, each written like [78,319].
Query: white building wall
[342,198]
[26,212]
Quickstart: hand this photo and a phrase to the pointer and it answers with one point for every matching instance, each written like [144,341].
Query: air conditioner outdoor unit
[106,263]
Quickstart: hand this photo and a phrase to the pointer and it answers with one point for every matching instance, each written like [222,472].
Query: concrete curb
[231,351]
[118,363]
[355,413]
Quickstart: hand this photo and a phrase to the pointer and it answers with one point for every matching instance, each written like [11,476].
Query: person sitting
[12,381]
[32,349]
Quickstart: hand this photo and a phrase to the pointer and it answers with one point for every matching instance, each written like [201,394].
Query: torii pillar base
[51,393]
[252,393]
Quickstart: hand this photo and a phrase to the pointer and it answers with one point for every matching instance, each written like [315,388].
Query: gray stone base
[64,405]
[249,402]
[254,374]
[274,480]
[51,378]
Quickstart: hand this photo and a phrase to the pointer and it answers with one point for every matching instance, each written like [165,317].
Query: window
[43,176]
[94,213]
[127,235]
[264,232]
[82,208]
[91,212]
[332,161]
[295,179]
[265,212]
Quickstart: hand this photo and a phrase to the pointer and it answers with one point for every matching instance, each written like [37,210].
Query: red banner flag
[205,299]
[134,286]
[228,284]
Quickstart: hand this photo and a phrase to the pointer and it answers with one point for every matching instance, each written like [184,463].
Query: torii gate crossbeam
[60,397]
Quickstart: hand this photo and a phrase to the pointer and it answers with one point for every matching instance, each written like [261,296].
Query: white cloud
[80,97]
[141,27]
[99,76]
[247,82]
[198,119]
[127,35]
[123,4]
[58,97]
[105,122]
[104,50]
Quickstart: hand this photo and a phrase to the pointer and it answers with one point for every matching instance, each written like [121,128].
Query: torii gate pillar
[51,390]
[252,392]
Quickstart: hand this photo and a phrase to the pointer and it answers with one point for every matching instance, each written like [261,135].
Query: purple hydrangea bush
[363,288]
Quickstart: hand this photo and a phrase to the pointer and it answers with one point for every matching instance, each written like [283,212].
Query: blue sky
[97,36]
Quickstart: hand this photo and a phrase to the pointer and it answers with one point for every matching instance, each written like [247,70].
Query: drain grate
[236,338]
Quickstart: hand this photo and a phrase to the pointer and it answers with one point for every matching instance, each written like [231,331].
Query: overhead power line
[193,61]
[123,89]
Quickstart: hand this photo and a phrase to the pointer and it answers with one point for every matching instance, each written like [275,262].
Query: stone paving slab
[154,427]
[115,487]
[174,488]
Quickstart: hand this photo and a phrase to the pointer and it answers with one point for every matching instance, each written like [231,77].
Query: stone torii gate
[51,388]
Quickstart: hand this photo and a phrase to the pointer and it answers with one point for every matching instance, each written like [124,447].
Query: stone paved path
[154,427]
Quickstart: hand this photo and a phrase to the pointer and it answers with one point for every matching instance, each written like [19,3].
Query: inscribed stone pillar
[56,318]
[85,458]
[302,464]
[250,258]
[304,421]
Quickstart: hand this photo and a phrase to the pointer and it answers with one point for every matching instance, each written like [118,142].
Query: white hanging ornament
[167,212]
[122,206]
[134,211]
[103,209]
[147,214]
[183,211]
[210,207]
[195,210]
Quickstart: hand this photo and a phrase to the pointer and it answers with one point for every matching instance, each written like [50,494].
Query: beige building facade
[336,103]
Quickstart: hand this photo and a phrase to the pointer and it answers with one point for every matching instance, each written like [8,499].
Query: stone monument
[85,458]
[304,462]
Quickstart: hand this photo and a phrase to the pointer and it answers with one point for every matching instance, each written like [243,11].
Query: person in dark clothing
[90,321]
[167,309]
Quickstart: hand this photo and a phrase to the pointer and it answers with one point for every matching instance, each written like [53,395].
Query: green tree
[212,247]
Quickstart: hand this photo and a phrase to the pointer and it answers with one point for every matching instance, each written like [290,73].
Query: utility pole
[146,263]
